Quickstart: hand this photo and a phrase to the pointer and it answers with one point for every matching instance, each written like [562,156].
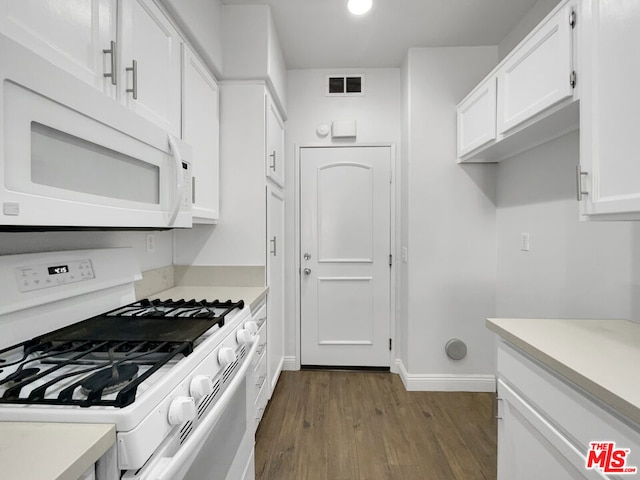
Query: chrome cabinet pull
[111,51]
[272,156]
[579,174]
[134,70]
[274,243]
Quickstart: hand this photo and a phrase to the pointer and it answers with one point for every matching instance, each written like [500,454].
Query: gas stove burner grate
[143,336]
[109,380]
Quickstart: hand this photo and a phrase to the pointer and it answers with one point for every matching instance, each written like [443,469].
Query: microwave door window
[69,163]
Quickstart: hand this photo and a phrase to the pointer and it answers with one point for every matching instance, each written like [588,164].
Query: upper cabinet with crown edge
[529,98]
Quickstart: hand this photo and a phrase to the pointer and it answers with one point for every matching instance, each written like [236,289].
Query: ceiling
[322,33]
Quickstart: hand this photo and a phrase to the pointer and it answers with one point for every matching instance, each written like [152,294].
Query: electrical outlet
[151,243]
[524,242]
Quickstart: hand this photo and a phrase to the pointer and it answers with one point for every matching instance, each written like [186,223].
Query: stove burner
[20,375]
[110,380]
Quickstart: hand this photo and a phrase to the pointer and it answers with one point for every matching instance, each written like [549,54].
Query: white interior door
[345,247]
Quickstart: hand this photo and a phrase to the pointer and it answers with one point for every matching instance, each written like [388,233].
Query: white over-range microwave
[70,156]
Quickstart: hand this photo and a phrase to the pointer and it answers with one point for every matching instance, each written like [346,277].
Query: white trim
[446,382]
[290,363]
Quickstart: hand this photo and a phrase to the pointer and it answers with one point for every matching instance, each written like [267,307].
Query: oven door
[221,446]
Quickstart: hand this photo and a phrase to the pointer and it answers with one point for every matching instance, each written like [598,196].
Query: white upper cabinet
[528,99]
[127,49]
[150,63]
[72,34]
[477,118]
[274,143]
[610,99]
[201,130]
[538,73]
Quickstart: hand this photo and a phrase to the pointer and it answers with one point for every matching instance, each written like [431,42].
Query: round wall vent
[456,349]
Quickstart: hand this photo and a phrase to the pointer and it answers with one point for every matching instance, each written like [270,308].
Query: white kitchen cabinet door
[477,118]
[275,282]
[71,34]
[201,130]
[275,143]
[150,63]
[538,74]
[610,100]
[530,448]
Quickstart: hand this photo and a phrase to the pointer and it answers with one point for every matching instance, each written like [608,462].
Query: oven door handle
[174,468]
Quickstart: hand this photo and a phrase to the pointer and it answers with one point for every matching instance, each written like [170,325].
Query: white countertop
[601,356]
[250,295]
[51,451]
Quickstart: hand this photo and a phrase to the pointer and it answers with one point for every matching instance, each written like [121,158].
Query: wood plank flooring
[333,425]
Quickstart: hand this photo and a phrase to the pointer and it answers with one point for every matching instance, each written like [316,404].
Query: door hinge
[390,260]
[573,18]
[390,342]
[573,79]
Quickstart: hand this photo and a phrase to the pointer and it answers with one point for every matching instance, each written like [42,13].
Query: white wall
[449,221]
[201,21]
[574,269]
[28,242]
[532,18]
[378,120]
[251,49]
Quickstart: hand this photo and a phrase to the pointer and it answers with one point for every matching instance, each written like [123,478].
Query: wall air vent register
[345,85]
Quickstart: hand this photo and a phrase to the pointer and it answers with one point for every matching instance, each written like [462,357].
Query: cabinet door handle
[134,70]
[579,174]
[111,51]
[272,156]
[274,243]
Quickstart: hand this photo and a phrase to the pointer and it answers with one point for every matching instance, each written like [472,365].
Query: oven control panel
[36,277]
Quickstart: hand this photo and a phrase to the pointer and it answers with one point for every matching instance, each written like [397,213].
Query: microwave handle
[179,191]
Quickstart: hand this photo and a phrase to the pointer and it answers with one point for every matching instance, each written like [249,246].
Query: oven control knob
[251,326]
[200,386]
[243,336]
[182,409]
[226,356]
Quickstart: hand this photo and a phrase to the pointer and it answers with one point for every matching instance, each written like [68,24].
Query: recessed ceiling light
[359,7]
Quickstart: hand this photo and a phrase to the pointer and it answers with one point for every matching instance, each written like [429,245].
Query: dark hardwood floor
[333,425]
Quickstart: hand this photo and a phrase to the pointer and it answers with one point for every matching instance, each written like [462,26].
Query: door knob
[307,256]
[307,271]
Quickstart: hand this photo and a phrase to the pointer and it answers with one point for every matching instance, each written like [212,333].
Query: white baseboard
[446,382]
[290,363]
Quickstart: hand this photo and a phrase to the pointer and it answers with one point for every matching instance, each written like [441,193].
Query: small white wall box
[343,129]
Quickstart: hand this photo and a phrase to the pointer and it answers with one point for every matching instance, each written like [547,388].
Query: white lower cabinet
[260,365]
[546,425]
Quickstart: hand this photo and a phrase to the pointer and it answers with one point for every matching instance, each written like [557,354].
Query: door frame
[393,234]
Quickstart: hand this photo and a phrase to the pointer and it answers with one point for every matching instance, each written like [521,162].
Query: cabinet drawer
[542,451]
[262,390]
[579,416]
[260,374]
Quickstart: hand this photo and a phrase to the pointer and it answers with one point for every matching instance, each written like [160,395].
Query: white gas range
[171,375]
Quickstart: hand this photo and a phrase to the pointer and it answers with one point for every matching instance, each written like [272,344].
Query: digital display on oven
[58,270]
